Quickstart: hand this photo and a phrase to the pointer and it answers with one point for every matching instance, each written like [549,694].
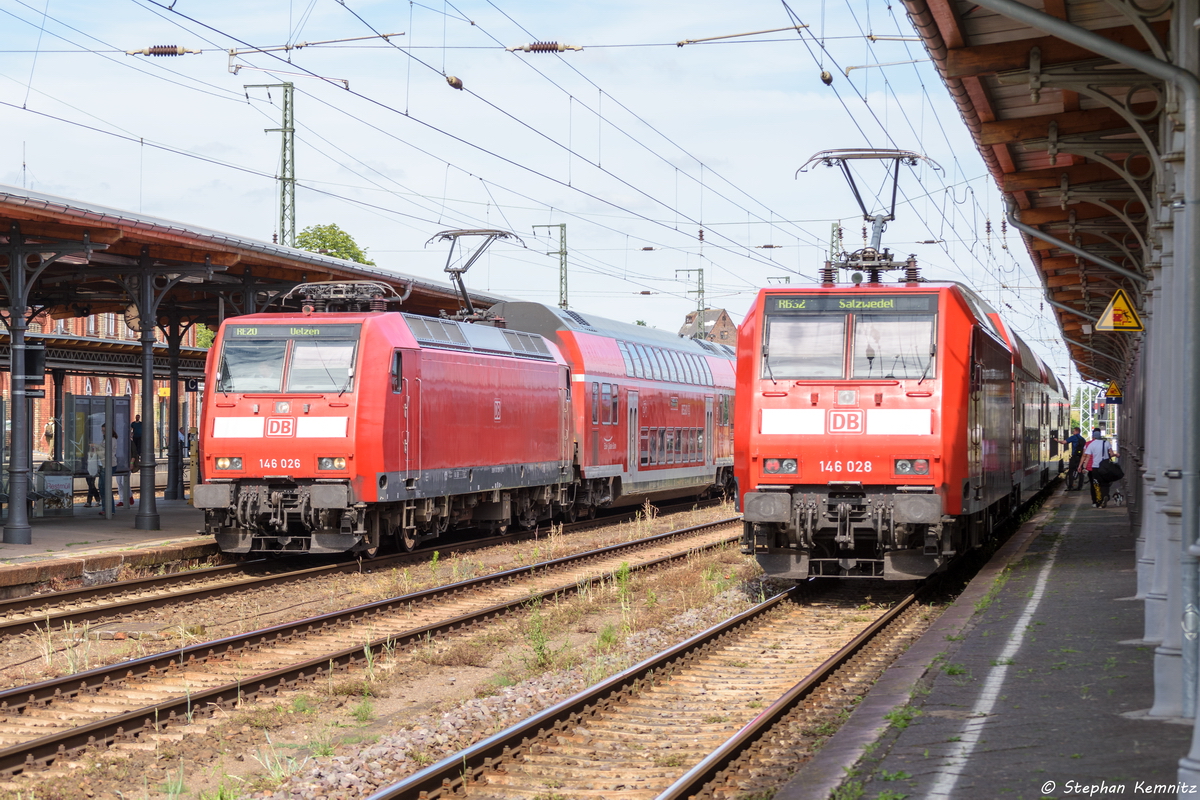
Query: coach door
[564,402]
[631,449]
[708,430]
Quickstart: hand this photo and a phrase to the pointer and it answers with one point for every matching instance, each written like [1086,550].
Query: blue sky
[634,142]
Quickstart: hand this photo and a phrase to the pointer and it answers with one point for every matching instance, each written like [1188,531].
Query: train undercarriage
[286,517]
[848,530]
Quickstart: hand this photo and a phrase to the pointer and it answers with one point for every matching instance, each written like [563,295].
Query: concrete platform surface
[1034,684]
[88,549]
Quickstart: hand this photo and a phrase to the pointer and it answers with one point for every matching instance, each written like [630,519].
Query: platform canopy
[1075,142]
[223,274]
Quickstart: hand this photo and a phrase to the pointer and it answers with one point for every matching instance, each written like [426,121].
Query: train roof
[549,320]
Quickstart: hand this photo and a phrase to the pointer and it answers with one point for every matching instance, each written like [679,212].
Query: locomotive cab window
[862,336]
[894,346]
[804,347]
[397,372]
[287,358]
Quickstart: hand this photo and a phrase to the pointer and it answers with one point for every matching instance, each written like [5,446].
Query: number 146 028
[845,466]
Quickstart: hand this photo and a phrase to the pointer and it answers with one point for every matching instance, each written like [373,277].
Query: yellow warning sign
[1113,390]
[1120,316]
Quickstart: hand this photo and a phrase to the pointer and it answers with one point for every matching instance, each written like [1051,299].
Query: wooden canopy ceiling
[1074,140]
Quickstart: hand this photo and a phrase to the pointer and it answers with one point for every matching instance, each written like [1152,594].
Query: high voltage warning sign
[1120,316]
[1113,396]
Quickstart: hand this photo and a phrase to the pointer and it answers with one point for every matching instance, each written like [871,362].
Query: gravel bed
[434,737]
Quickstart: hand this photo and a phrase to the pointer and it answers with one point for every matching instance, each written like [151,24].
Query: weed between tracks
[572,640]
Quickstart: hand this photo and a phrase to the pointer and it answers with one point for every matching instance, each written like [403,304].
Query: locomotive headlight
[229,462]
[780,466]
[327,462]
[912,466]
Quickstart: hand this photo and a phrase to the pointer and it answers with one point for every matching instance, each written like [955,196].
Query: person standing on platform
[1074,475]
[135,433]
[1096,451]
[93,472]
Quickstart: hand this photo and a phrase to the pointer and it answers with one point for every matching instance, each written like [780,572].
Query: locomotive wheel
[569,513]
[407,538]
[375,531]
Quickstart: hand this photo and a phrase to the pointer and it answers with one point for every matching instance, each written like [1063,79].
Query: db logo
[281,426]
[846,421]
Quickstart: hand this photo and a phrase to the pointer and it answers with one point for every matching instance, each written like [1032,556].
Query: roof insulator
[544,47]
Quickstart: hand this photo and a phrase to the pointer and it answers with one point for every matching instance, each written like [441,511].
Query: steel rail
[713,764]
[154,718]
[448,775]
[118,604]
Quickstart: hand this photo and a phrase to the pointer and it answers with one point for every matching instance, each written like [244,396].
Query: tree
[332,241]
[204,335]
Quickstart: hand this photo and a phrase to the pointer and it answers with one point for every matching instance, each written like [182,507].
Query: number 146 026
[279,463]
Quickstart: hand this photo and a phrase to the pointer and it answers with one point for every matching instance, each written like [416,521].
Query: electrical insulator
[987,227]
[702,234]
[161,50]
[544,47]
[455,82]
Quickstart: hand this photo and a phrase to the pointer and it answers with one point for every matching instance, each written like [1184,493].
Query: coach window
[669,449]
[662,447]
[397,373]
[654,369]
[639,361]
[678,444]
[606,404]
[595,403]
[616,405]
[689,369]
[695,438]
[677,366]
[645,447]
[626,358]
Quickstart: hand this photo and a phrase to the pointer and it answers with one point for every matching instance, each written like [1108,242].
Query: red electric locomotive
[881,429]
[330,431]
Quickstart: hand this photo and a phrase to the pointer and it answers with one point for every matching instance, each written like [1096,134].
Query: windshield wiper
[349,379]
[767,364]
[929,363]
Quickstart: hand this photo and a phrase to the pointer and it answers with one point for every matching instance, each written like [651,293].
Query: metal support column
[21,275]
[59,376]
[174,474]
[147,513]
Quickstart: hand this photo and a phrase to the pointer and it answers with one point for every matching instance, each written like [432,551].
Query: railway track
[697,720]
[95,604]
[131,702]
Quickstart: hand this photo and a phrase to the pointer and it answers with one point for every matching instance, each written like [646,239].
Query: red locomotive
[882,429]
[344,426]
